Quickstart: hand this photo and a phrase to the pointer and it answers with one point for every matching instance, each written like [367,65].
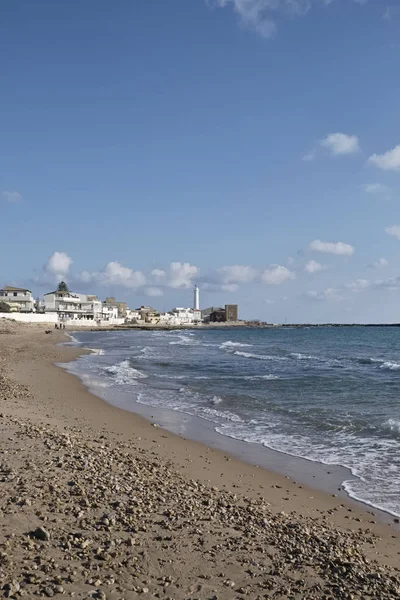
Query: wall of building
[51,318]
[78,323]
[30,317]
[231,312]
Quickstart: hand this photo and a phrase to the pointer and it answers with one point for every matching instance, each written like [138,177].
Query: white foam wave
[124,374]
[258,356]
[73,341]
[390,366]
[225,415]
[216,400]
[184,340]
[254,377]
[392,425]
[230,344]
[97,351]
[300,356]
[164,376]
[93,382]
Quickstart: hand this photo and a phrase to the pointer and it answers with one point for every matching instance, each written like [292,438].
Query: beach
[99,502]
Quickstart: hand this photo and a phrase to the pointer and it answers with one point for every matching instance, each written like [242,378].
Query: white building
[19,299]
[132,315]
[78,307]
[196,298]
[185,316]
[109,313]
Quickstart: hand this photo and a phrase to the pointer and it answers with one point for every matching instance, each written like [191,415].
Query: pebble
[126,519]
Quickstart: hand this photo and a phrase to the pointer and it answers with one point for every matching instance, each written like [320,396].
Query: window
[15,294]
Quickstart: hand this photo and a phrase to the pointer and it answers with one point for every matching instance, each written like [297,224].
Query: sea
[326,394]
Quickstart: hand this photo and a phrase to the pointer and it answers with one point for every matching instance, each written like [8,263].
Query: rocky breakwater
[86,517]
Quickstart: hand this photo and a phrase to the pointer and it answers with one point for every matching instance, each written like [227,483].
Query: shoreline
[58,407]
[329,478]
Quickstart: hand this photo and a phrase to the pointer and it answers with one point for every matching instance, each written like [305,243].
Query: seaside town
[199,300]
[67,308]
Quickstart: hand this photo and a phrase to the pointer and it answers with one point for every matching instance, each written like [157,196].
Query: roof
[63,292]
[10,288]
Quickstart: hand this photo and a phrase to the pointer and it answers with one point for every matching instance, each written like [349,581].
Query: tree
[62,287]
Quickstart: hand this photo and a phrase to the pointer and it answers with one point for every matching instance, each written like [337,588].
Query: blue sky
[250,146]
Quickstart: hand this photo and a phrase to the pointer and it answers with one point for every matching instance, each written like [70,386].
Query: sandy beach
[98,502]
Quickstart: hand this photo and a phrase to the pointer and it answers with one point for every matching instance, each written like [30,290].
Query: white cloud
[11,197]
[389,161]
[377,189]
[313,266]
[229,287]
[338,248]
[377,264]
[237,274]
[327,294]
[154,292]
[391,284]
[341,143]
[115,274]
[158,274]
[57,265]
[358,285]
[180,275]
[258,14]
[276,274]
[394,230]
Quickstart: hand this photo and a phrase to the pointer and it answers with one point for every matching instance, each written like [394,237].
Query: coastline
[59,400]
[335,479]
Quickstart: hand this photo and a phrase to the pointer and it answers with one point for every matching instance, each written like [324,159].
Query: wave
[73,341]
[215,400]
[259,356]
[392,425]
[255,377]
[390,366]
[225,415]
[184,340]
[368,361]
[97,351]
[230,344]
[300,356]
[124,374]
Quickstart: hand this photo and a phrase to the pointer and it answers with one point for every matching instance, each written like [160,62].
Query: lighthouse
[196,298]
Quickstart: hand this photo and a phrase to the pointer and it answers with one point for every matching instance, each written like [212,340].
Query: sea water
[326,394]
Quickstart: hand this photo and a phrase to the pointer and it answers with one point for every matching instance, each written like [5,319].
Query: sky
[251,147]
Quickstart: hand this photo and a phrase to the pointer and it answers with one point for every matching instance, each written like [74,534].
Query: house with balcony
[19,299]
[70,306]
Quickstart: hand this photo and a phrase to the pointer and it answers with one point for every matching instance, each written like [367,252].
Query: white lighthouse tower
[196,298]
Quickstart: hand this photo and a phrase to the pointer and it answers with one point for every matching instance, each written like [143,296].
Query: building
[70,306]
[79,307]
[132,316]
[109,313]
[121,306]
[231,312]
[185,316]
[19,299]
[217,316]
[196,299]
[206,312]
